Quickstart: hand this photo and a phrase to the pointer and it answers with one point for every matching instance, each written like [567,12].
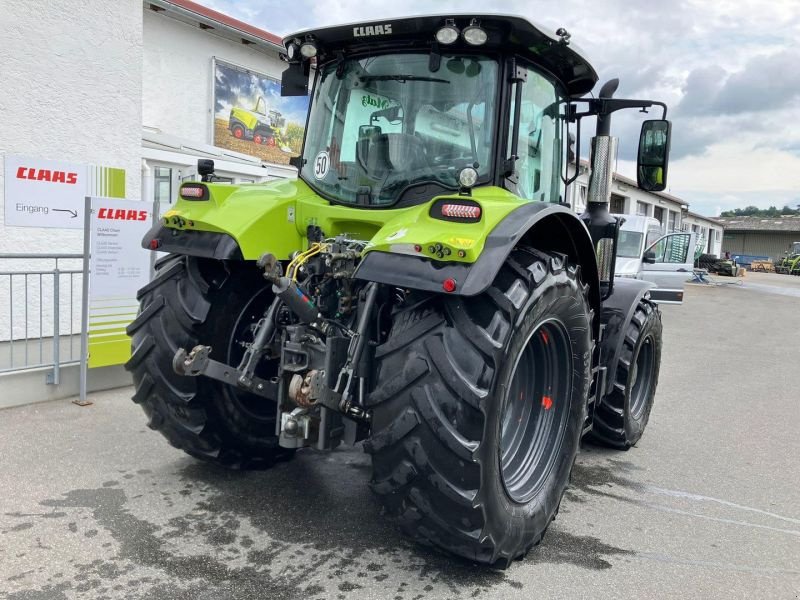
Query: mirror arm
[606,106]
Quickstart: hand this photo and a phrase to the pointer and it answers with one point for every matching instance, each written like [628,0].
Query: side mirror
[294,80]
[653,158]
[649,257]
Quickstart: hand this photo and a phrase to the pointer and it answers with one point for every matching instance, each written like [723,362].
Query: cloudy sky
[728,69]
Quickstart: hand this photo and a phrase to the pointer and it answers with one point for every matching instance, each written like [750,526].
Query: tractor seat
[392,152]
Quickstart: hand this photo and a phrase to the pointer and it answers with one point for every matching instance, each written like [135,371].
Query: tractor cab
[409,109]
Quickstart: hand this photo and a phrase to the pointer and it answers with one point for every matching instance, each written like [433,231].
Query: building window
[641,208]
[658,213]
[717,234]
[617,204]
[162,186]
[673,220]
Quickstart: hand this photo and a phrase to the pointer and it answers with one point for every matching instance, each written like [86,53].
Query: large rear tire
[621,416]
[478,410]
[194,301]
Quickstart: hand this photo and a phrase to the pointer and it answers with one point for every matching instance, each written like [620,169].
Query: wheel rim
[642,378]
[237,133]
[535,411]
[256,406]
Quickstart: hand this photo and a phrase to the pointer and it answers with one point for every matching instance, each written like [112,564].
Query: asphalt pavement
[95,505]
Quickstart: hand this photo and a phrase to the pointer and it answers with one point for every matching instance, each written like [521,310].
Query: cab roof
[506,33]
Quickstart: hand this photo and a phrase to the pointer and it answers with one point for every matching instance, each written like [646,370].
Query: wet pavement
[95,505]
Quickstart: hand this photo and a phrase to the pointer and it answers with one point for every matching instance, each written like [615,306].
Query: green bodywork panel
[273,217]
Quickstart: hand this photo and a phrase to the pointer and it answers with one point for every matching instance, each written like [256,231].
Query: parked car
[645,252]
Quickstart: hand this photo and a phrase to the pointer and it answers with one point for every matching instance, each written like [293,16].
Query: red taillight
[194,192]
[449,285]
[461,211]
[155,244]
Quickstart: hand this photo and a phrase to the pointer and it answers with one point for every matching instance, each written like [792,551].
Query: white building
[125,84]
[182,41]
[128,84]
[628,199]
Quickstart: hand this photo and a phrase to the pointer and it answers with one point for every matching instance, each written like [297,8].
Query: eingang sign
[50,193]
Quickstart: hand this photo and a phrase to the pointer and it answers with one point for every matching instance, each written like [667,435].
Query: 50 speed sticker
[321,165]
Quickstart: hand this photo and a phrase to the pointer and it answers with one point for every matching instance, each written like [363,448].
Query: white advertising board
[118,267]
[50,193]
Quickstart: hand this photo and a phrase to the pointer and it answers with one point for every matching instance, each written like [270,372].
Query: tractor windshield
[387,128]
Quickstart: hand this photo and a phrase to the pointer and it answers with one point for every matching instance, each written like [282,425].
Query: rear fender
[615,316]
[232,222]
[542,225]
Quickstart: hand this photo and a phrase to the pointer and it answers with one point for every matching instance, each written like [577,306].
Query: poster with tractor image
[251,116]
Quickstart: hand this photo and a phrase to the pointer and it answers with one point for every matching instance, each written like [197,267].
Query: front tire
[473,440]
[194,301]
[621,416]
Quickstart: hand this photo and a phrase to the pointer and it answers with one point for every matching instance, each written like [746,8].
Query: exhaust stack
[601,225]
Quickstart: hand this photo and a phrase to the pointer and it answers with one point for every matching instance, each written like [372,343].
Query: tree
[754,211]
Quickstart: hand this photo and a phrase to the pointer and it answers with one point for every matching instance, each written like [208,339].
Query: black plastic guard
[205,244]
[615,315]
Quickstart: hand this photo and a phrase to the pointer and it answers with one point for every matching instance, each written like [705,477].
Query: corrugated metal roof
[783,223]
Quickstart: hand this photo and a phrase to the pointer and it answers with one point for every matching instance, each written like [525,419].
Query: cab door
[668,263]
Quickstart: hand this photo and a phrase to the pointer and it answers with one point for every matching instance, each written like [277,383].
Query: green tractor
[260,125]
[790,263]
[421,286]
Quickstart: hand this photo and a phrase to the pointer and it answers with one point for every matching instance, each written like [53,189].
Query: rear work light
[460,211]
[194,192]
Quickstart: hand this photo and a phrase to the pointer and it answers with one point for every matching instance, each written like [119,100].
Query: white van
[645,252]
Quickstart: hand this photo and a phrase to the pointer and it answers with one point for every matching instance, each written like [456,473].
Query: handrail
[28,292]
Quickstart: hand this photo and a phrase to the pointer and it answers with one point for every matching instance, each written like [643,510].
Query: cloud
[765,83]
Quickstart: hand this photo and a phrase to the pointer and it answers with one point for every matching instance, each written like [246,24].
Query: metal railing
[40,312]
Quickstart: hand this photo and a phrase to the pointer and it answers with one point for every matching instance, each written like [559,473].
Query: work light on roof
[474,35]
[308,49]
[447,34]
